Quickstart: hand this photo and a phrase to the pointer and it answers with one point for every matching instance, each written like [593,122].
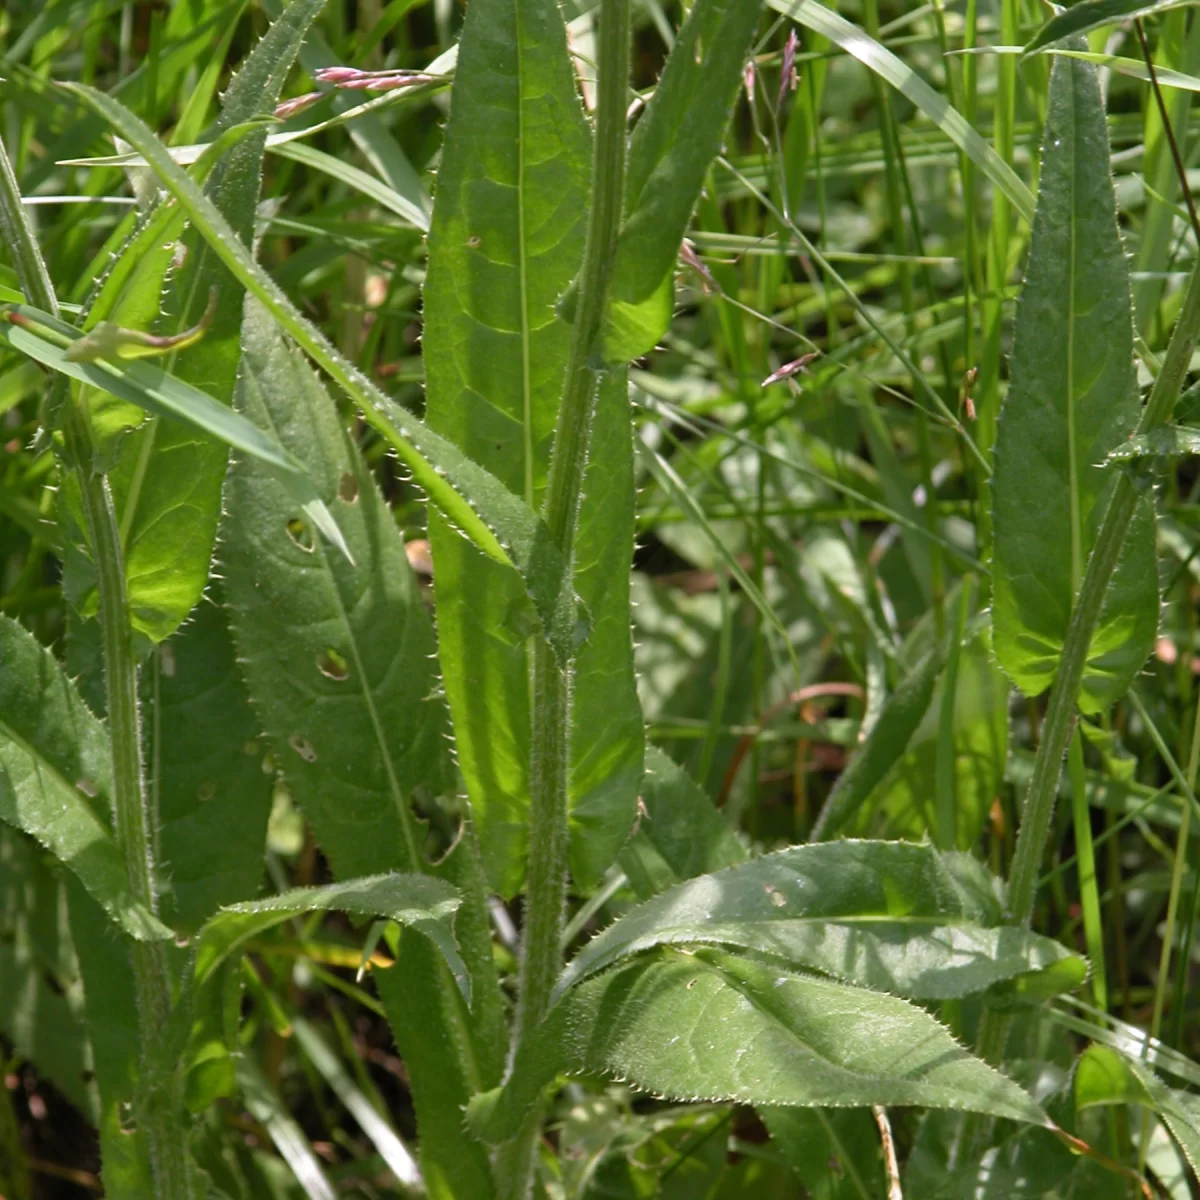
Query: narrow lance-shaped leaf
[55,769]
[1087,15]
[1072,400]
[712,1027]
[418,900]
[671,149]
[505,241]
[895,916]
[505,527]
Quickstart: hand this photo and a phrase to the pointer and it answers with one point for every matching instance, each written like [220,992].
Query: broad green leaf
[834,1151]
[712,1027]
[894,71]
[608,737]
[1073,398]
[167,482]
[353,720]
[347,709]
[478,504]
[680,834]
[55,775]
[418,900]
[213,796]
[894,916]
[505,241]
[669,154]
[1093,14]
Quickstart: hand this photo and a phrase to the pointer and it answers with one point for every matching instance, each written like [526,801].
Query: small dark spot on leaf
[303,747]
[332,665]
[348,487]
[300,533]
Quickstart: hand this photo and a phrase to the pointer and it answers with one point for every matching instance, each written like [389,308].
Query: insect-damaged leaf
[1072,400]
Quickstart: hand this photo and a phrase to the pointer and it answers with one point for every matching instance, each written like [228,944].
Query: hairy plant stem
[1037,808]
[541,956]
[166,1141]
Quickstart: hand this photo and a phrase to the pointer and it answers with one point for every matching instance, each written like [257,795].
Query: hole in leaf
[300,533]
[348,487]
[303,747]
[332,665]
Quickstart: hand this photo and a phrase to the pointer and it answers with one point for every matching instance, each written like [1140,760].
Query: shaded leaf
[213,796]
[55,772]
[680,834]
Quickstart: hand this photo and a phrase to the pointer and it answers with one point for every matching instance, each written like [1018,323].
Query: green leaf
[608,739]
[1093,14]
[213,796]
[347,708]
[352,718]
[1104,1076]
[505,241]
[479,505]
[835,1152]
[894,916]
[716,1027]
[894,71]
[55,772]
[669,154]
[167,482]
[1167,440]
[680,835]
[41,1000]
[1073,398]
[417,900]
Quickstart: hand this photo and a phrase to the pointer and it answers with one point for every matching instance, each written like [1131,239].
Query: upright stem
[541,957]
[1038,807]
[168,1152]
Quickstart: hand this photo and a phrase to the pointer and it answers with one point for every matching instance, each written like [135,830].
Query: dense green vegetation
[350,842]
